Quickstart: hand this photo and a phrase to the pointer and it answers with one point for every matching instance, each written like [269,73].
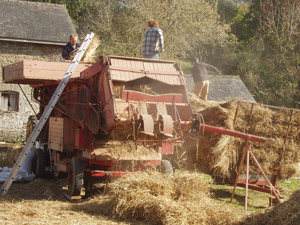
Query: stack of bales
[220,155]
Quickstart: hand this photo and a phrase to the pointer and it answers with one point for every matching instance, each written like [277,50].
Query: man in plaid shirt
[153,40]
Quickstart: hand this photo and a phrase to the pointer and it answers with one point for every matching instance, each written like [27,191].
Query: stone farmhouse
[28,31]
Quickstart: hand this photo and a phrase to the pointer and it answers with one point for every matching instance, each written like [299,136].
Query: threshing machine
[117,115]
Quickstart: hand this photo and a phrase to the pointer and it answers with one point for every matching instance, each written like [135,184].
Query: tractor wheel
[166,167]
[39,163]
[75,176]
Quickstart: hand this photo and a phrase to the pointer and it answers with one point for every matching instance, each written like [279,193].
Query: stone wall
[13,123]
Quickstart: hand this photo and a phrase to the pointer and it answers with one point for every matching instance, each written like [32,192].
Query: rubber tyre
[39,163]
[76,176]
[166,167]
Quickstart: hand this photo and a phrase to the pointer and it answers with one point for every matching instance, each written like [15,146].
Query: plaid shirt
[152,37]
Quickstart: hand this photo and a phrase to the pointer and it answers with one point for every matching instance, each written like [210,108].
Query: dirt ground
[42,202]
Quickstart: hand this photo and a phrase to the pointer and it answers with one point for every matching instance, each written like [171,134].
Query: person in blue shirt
[153,41]
[71,48]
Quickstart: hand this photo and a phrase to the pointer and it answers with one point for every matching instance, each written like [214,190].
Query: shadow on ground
[238,199]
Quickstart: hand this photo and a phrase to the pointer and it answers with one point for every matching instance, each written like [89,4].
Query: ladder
[43,119]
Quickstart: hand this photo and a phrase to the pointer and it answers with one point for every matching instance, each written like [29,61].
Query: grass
[186,66]
[292,184]
[257,201]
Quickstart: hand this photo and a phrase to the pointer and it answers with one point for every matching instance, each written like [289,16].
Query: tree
[269,63]
[279,21]
[191,28]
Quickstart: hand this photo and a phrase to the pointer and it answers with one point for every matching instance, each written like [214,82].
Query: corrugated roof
[223,88]
[127,69]
[35,22]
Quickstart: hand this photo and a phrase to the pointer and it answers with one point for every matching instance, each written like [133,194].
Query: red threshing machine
[115,116]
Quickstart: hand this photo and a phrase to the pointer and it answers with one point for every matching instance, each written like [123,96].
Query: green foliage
[267,55]
[191,28]
[291,185]
[186,66]
[241,18]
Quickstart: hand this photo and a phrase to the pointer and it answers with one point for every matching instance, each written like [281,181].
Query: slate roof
[223,88]
[34,22]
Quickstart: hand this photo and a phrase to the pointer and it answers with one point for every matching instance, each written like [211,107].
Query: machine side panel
[36,72]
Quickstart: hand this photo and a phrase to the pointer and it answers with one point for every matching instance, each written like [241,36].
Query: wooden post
[274,192]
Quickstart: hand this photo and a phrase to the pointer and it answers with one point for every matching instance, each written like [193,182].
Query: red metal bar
[107,173]
[237,134]
[270,106]
[119,100]
[52,83]
[247,146]
[274,191]
[247,183]
[138,96]
[256,182]
[144,71]
[258,188]
[101,162]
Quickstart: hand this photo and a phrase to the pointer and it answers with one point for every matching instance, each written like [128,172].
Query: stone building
[28,31]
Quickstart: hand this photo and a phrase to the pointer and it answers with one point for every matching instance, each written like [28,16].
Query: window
[9,101]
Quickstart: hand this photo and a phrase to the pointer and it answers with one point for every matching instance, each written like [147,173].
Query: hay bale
[9,154]
[160,199]
[219,155]
[288,170]
[286,213]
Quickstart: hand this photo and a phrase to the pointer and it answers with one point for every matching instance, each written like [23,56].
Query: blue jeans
[155,56]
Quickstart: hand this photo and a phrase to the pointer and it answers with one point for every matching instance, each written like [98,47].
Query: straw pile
[43,202]
[219,155]
[138,198]
[90,54]
[287,213]
[120,145]
[183,198]
[9,155]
